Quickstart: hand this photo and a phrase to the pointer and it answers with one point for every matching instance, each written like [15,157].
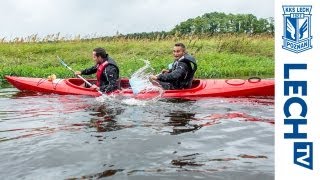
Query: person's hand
[164,71]
[77,73]
[95,87]
[153,77]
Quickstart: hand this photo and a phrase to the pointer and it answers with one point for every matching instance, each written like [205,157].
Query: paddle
[87,82]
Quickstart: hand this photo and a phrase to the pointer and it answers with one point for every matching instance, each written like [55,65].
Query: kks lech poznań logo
[297,28]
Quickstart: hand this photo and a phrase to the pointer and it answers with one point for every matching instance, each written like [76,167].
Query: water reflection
[187,160]
[180,122]
[104,112]
[26,94]
[104,118]
[106,173]
[183,122]
[218,117]
[169,139]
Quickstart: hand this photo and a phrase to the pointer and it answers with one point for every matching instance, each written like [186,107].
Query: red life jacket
[100,70]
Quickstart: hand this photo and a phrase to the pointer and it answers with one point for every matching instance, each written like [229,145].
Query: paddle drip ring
[254,79]
[235,82]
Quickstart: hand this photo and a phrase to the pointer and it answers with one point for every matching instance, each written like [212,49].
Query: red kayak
[200,87]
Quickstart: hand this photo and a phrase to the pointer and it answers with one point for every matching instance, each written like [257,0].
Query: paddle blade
[137,85]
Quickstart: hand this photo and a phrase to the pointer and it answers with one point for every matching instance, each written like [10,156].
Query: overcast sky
[20,18]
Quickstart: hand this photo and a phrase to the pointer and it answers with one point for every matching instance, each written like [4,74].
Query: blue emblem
[297,28]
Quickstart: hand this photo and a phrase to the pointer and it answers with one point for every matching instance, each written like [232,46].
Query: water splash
[101,98]
[134,102]
[140,82]
[106,98]
[116,100]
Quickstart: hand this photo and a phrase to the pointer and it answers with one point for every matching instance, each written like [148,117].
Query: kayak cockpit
[79,83]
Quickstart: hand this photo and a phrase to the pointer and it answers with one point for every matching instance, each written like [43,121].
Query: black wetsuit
[109,78]
[181,74]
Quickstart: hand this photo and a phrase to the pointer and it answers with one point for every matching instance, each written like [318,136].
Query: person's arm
[165,71]
[180,71]
[90,70]
[111,74]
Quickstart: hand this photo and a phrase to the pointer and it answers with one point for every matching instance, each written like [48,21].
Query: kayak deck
[200,87]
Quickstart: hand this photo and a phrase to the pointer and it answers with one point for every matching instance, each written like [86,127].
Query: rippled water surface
[74,137]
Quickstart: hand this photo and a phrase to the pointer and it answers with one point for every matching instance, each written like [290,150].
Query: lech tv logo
[297,28]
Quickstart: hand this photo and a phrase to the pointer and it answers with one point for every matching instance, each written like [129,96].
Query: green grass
[224,56]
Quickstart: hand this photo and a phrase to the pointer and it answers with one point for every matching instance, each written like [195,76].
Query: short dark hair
[100,52]
[180,45]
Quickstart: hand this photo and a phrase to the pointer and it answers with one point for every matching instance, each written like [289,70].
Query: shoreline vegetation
[219,55]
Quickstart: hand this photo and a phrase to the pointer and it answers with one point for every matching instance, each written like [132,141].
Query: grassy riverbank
[224,56]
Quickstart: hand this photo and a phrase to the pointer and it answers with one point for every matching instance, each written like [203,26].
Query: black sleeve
[90,70]
[176,74]
[111,74]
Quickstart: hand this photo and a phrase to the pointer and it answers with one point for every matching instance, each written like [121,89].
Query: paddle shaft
[87,82]
[79,76]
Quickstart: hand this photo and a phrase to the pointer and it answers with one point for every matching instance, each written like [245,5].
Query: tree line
[211,24]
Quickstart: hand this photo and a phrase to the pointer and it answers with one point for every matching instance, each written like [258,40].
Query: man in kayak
[106,70]
[180,75]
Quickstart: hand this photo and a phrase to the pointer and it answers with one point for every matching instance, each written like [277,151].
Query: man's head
[179,50]
[99,55]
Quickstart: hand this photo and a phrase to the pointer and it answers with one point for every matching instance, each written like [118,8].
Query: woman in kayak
[106,70]
[180,75]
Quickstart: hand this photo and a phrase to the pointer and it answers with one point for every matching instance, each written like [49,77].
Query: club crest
[297,28]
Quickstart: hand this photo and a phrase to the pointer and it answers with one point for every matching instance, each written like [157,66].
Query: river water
[46,136]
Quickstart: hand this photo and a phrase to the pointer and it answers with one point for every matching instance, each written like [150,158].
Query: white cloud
[105,17]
